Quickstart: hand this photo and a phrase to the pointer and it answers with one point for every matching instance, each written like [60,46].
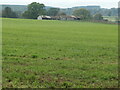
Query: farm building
[39,18]
[69,18]
[58,18]
[44,18]
[55,17]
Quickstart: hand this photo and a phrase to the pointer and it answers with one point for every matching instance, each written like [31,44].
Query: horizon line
[61,7]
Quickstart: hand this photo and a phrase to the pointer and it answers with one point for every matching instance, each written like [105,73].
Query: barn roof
[47,16]
[44,16]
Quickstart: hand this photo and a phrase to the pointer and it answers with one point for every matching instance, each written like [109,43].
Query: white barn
[39,18]
[44,17]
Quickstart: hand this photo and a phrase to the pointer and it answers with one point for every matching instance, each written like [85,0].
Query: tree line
[35,9]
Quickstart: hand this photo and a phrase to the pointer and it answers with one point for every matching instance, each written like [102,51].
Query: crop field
[59,54]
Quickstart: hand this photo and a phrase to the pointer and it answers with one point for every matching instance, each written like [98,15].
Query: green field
[59,54]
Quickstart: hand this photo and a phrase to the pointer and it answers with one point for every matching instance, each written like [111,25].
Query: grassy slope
[59,54]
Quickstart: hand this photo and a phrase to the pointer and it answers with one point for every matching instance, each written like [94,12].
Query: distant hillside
[17,8]
[87,7]
[94,10]
[69,11]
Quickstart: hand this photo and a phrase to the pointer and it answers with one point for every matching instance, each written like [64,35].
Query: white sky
[66,3]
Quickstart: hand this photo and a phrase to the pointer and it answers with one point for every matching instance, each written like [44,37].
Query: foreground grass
[59,54]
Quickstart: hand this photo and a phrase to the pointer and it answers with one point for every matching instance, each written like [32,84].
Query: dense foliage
[53,11]
[82,13]
[34,10]
[8,13]
[98,17]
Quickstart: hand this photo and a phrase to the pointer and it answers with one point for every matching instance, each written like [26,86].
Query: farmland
[59,54]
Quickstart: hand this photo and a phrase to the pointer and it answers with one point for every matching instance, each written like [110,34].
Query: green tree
[8,13]
[53,11]
[82,13]
[98,16]
[61,14]
[34,10]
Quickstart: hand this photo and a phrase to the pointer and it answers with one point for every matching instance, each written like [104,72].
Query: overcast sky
[66,3]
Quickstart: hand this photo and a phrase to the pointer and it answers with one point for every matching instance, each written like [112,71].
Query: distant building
[69,18]
[39,18]
[44,18]
[55,17]
[64,17]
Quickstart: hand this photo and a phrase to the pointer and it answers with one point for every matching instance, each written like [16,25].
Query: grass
[59,54]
